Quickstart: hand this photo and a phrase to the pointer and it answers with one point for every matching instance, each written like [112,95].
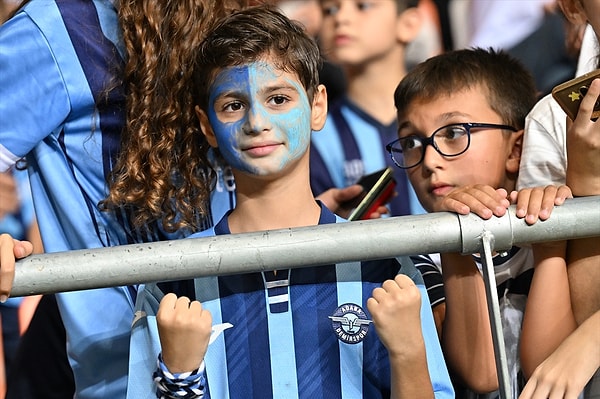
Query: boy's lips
[440,189]
[261,149]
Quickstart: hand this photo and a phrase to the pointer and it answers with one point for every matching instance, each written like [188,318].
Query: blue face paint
[260,116]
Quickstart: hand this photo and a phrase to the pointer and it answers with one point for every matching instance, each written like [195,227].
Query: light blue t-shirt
[284,335]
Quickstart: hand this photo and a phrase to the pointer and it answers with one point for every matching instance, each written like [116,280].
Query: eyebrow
[265,90]
[450,115]
[279,87]
[442,119]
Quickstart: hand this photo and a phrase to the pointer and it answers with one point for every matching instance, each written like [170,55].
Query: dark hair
[510,88]
[249,35]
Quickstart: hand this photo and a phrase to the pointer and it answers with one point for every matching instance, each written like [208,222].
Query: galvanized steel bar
[491,294]
[294,248]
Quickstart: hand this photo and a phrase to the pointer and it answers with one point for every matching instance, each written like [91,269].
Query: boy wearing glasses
[461,117]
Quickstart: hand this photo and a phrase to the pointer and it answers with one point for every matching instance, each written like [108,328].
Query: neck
[371,87]
[270,204]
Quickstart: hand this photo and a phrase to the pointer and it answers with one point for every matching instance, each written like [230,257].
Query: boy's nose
[432,158]
[257,121]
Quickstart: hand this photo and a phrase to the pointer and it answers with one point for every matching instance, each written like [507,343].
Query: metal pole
[491,293]
[294,248]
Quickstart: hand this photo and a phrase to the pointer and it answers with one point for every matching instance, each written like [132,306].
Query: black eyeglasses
[450,141]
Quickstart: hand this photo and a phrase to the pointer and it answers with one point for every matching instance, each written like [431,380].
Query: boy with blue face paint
[284,333]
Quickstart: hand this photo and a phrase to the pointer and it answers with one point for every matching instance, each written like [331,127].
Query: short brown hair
[247,36]
[511,91]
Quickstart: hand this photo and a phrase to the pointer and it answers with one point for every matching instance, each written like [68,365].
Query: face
[355,31]
[491,156]
[259,117]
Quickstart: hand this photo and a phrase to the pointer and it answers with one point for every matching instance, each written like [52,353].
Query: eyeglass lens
[448,140]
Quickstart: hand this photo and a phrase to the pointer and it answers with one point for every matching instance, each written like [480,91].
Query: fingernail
[3,298]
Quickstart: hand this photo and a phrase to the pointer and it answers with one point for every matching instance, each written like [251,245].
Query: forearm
[548,318]
[588,331]
[410,375]
[583,260]
[467,338]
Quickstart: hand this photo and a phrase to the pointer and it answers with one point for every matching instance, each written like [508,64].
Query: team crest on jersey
[350,323]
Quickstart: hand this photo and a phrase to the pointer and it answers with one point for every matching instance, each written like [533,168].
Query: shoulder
[547,114]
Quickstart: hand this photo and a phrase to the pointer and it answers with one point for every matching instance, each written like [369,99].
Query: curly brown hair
[162,172]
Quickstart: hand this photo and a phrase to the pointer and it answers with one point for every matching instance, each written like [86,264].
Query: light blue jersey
[61,106]
[56,58]
[302,333]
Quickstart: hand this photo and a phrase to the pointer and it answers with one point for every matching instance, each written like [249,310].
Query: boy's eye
[233,106]
[452,133]
[278,100]
[410,143]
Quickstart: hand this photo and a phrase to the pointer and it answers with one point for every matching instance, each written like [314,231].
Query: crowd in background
[552,46]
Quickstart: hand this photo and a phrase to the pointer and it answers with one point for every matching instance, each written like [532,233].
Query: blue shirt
[62,107]
[301,333]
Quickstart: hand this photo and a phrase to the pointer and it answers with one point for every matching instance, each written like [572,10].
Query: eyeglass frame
[426,141]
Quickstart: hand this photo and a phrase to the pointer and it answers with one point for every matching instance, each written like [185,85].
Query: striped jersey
[62,107]
[352,144]
[300,333]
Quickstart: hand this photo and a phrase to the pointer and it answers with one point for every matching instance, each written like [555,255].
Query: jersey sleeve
[34,98]
[438,372]
[432,277]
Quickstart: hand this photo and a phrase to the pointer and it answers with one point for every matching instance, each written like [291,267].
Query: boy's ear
[409,24]
[206,127]
[514,157]
[318,113]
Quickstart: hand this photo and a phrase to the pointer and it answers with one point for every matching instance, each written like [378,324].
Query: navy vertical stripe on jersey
[245,312]
[314,302]
[101,64]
